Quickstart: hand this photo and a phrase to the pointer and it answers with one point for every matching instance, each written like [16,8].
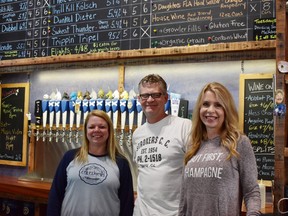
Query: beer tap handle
[44,117]
[72,115]
[63,135]
[51,118]
[115,107]
[38,116]
[92,104]
[50,134]
[64,110]
[108,106]
[85,107]
[57,135]
[77,136]
[78,111]
[139,114]
[37,133]
[57,109]
[70,135]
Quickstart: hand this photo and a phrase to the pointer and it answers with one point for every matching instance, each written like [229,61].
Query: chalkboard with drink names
[14,125]
[40,28]
[264,29]
[256,119]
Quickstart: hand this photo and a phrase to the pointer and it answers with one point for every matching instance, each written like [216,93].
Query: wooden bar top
[13,187]
[38,191]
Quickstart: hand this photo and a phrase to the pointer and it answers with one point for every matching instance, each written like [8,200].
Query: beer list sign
[258,121]
[40,28]
[13,132]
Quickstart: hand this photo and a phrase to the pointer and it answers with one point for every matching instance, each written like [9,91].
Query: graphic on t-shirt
[200,168]
[93,173]
[149,151]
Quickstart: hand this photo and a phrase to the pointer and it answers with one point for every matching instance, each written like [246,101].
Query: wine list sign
[256,119]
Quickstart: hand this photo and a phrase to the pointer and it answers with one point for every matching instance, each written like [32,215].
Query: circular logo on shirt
[93,173]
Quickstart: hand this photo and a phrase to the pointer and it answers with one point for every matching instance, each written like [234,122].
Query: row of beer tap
[124,111]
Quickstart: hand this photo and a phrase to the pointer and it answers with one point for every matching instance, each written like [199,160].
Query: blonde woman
[220,166]
[94,179]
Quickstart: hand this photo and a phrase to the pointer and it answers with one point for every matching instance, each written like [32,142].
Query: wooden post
[31,153]
[280,124]
[121,78]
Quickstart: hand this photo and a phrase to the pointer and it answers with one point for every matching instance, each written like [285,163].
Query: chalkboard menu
[39,28]
[256,119]
[13,124]
[264,29]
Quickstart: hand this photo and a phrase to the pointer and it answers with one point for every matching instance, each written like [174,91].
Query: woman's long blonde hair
[113,148]
[230,132]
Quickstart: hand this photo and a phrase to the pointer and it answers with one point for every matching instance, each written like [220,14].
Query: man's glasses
[153,95]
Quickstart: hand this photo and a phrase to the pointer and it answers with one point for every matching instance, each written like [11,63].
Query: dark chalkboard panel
[264,29]
[256,119]
[39,28]
[13,121]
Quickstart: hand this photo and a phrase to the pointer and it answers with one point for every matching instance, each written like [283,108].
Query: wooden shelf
[146,53]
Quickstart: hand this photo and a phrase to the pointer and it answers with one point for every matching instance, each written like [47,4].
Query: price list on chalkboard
[13,23]
[39,28]
[258,123]
[98,26]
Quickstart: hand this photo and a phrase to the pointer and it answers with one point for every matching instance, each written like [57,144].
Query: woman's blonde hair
[230,132]
[113,149]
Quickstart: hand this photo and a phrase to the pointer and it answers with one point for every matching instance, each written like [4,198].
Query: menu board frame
[20,114]
[269,104]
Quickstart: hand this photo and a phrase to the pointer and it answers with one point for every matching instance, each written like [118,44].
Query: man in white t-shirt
[158,150]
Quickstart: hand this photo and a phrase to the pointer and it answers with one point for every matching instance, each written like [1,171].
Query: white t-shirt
[93,184]
[158,150]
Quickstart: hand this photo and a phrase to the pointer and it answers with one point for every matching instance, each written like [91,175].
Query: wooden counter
[25,190]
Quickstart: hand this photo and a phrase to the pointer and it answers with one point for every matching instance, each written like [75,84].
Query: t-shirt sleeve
[186,133]
[57,191]
[249,176]
[125,192]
